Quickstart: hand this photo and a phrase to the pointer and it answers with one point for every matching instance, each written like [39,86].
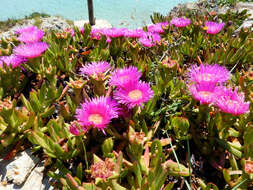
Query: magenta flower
[134,33]
[150,39]
[158,27]
[108,40]
[26,29]
[95,68]
[31,36]
[73,129]
[204,92]
[120,77]
[211,74]
[12,60]
[31,50]
[114,32]
[213,27]
[180,22]
[134,94]
[96,33]
[230,101]
[97,113]
[82,30]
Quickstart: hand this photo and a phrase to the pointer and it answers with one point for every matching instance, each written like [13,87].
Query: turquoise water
[120,13]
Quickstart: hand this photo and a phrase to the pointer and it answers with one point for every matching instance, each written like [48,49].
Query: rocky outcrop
[24,172]
[46,24]
[207,6]
[98,23]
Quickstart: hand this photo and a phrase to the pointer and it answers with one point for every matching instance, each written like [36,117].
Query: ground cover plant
[164,107]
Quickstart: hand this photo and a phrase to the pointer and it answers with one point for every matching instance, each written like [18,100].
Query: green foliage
[5,25]
[145,147]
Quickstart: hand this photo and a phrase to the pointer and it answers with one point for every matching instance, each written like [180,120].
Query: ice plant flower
[134,94]
[81,30]
[97,113]
[180,22]
[150,39]
[102,169]
[95,33]
[213,27]
[114,32]
[232,102]
[31,50]
[73,129]
[120,77]
[204,92]
[70,31]
[31,36]
[95,68]
[134,33]
[208,74]
[12,60]
[108,40]
[26,29]
[158,27]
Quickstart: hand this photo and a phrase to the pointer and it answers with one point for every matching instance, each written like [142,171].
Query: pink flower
[31,50]
[12,60]
[70,31]
[108,40]
[211,74]
[95,68]
[230,101]
[31,36]
[158,27]
[213,27]
[96,33]
[180,22]
[82,30]
[134,33]
[150,39]
[97,112]
[122,76]
[74,130]
[134,94]
[26,29]
[114,32]
[204,92]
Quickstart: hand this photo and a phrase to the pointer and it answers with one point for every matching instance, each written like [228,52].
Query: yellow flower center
[205,93]
[122,78]
[95,118]
[205,28]
[135,94]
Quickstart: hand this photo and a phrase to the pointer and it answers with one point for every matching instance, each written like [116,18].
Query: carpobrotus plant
[166,106]
[97,113]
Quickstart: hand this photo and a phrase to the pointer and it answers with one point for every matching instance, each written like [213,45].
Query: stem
[175,155]
[189,158]
[85,153]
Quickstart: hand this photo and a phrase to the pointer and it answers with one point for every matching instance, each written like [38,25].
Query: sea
[120,13]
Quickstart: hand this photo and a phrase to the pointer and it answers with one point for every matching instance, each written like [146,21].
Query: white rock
[98,23]
[246,24]
[242,6]
[34,181]
[18,170]
[47,23]
[7,187]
